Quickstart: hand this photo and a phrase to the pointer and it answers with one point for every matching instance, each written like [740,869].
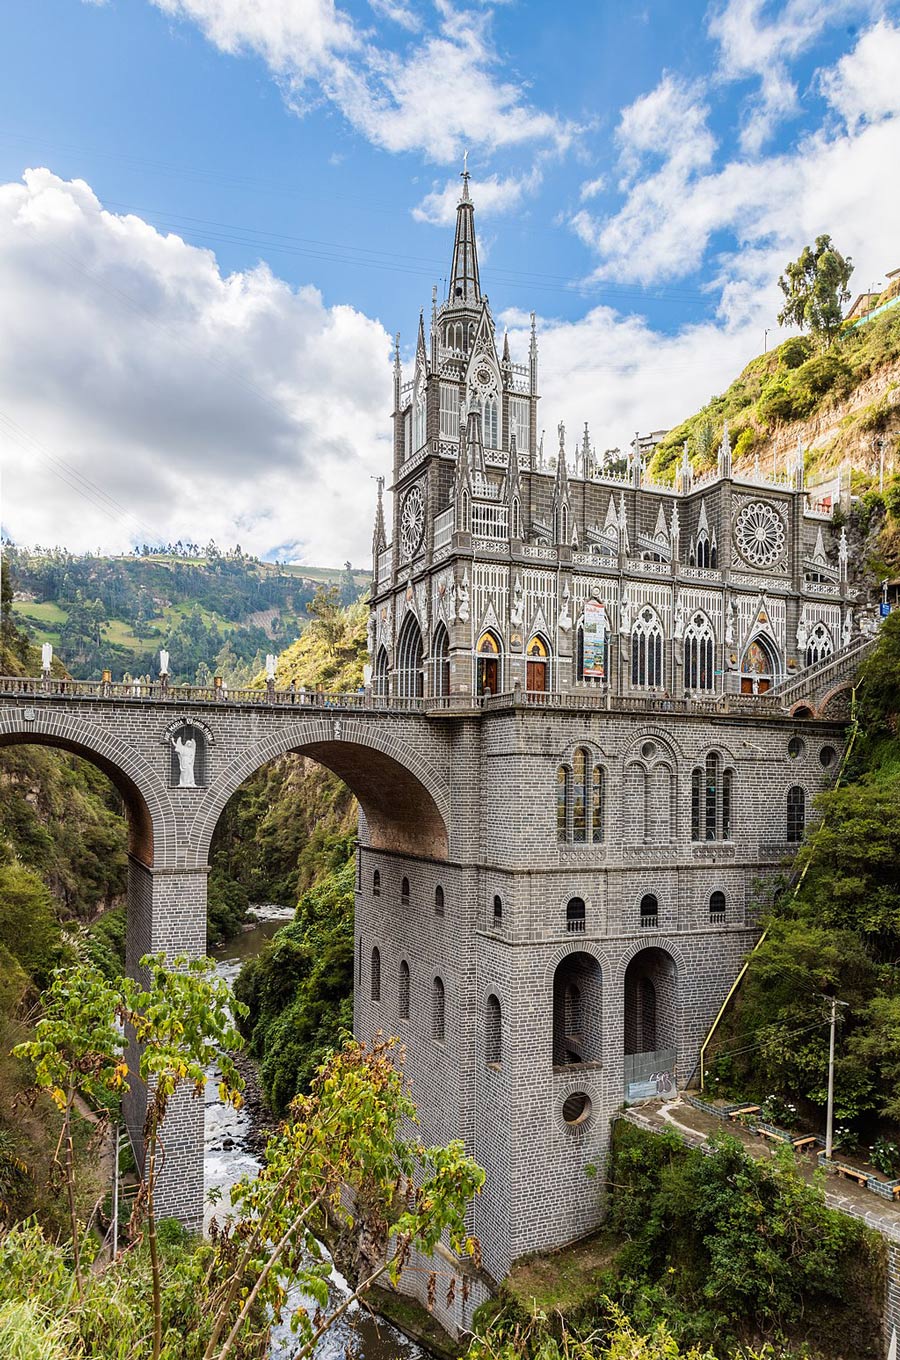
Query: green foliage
[727,1246]
[298,990]
[815,287]
[28,925]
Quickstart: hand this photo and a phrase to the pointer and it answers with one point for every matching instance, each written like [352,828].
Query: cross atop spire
[465,286]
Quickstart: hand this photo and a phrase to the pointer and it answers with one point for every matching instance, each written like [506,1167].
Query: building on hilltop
[607,658]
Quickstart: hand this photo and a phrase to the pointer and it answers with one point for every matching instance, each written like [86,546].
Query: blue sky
[641,173]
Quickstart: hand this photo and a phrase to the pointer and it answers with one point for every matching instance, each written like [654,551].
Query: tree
[815,288]
[77,1051]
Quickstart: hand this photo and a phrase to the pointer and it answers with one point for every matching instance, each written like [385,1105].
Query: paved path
[695,1127]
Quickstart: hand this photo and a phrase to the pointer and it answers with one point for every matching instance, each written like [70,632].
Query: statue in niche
[185,746]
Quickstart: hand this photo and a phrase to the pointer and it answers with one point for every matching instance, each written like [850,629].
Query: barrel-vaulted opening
[139,820]
[401,813]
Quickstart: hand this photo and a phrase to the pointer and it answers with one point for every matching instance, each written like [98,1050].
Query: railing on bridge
[155,691]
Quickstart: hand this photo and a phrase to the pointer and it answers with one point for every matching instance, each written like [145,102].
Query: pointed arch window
[409,659]
[382,672]
[820,645]
[438,1010]
[493,1031]
[440,661]
[699,671]
[646,650]
[796,814]
[490,422]
[376,974]
[403,991]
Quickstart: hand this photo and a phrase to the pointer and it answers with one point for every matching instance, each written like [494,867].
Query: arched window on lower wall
[577,1010]
[403,991]
[796,814]
[493,1031]
[438,1010]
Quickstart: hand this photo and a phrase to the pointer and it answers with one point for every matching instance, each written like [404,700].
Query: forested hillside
[215,612]
[835,931]
[837,402]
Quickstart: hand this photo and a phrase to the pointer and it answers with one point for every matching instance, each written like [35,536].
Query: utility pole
[829,1118]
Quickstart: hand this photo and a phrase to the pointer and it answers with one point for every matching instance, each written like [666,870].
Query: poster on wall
[594,665]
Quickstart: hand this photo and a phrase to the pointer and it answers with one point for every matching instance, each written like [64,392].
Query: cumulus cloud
[759,41]
[757,211]
[207,405]
[437,95]
[494,195]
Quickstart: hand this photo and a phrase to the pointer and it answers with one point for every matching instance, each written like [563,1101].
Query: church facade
[608,653]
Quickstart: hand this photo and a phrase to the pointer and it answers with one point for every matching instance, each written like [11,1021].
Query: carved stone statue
[517,613]
[565,618]
[464,598]
[730,623]
[186,751]
[625,613]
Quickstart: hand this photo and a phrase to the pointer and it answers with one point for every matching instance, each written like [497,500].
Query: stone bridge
[419,767]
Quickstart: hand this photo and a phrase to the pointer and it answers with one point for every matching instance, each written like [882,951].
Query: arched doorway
[577,1011]
[651,1024]
[537,672]
[759,667]
[488,668]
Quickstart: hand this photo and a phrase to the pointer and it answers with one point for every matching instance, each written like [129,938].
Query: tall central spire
[464,283]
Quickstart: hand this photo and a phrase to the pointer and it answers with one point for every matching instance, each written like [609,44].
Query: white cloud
[864,86]
[667,124]
[591,188]
[756,40]
[437,96]
[234,407]
[758,212]
[492,196]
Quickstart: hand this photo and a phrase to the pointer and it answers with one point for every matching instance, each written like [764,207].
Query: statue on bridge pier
[186,750]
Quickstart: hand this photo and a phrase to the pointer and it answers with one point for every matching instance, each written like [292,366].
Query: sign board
[594,664]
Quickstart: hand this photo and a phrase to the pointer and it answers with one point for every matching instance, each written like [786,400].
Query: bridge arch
[404,799]
[150,816]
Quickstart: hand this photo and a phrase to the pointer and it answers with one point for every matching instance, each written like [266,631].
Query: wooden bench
[850,1172]
[776,1137]
[804,1141]
[744,1109]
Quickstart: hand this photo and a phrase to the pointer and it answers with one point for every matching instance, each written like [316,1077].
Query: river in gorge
[227,1157]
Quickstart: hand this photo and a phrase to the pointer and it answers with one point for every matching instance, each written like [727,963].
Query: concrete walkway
[695,1127]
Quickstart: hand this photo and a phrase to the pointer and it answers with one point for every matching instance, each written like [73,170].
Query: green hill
[215,613]
[836,402]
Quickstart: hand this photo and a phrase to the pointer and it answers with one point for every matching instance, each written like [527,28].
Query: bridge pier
[167,912]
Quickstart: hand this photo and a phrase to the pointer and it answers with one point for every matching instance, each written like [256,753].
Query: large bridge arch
[150,815]
[405,800]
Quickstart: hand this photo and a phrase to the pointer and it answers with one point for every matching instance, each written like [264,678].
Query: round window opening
[577,1108]
[796,747]
[827,756]
[648,749]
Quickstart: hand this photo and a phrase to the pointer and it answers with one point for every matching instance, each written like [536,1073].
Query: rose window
[412,521]
[759,532]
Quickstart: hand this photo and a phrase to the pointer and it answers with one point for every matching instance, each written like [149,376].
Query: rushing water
[227,1158]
